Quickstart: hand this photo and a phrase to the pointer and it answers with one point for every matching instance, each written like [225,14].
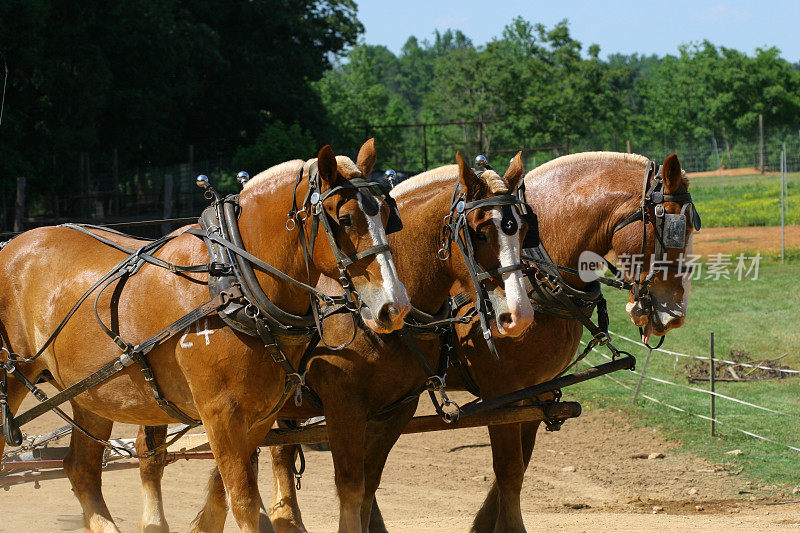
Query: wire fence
[714,419]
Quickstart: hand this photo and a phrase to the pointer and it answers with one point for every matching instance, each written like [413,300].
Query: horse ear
[327,167]
[366,158]
[471,183]
[672,174]
[514,172]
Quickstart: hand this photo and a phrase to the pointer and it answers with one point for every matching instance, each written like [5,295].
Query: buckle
[216,268]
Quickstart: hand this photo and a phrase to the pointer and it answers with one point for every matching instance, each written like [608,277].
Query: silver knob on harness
[481,161]
[202,181]
[242,177]
[390,176]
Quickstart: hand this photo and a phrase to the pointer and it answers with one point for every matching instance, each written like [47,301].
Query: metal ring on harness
[252,310]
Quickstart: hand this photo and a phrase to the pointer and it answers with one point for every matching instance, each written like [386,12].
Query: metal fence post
[641,376]
[711,381]
[761,141]
[783,203]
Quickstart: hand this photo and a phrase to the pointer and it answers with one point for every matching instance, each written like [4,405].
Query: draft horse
[228,381]
[363,389]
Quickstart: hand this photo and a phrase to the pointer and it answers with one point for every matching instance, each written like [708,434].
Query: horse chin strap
[456,228]
[669,230]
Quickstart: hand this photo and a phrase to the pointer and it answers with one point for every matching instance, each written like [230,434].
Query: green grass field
[749,200]
[758,317]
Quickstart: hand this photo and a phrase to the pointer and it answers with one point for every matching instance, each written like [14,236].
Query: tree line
[539,86]
[267,80]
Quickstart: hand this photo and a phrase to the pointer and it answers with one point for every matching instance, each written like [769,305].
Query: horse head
[357,220]
[662,279]
[496,233]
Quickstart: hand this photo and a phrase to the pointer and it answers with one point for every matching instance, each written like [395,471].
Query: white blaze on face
[513,282]
[393,290]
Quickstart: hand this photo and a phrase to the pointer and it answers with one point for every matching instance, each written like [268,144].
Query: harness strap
[115,366]
[260,264]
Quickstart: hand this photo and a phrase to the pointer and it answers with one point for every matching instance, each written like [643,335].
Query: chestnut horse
[227,380]
[579,199]
[357,384]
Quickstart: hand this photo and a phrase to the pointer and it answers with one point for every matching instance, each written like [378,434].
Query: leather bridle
[456,228]
[669,230]
[315,197]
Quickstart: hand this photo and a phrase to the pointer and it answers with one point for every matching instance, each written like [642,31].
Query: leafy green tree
[276,143]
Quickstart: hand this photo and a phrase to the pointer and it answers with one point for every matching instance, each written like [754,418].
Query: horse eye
[345,221]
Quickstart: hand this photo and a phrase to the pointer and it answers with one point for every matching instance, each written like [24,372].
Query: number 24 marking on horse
[206,332]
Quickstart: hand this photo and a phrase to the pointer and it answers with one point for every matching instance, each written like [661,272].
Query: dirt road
[730,240]
[583,478]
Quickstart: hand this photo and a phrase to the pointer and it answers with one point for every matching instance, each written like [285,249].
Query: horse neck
[262,225]
[579,204]
[426,277]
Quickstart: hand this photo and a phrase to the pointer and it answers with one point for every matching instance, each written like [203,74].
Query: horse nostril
[505,320]
[388,313]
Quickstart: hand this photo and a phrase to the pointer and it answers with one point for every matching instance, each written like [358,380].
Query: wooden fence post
[168,200]
[19,206]
[424,147]
[115,182]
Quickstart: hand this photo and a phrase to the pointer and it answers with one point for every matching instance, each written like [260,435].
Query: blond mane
[495,182]
[271,172]
[588,157]
[436,175]
[347,168]
[447,173]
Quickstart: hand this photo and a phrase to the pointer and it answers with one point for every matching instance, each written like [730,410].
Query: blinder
[674,233]
[395,223]
[508,223]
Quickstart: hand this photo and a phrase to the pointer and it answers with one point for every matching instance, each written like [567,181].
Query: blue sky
[617,26]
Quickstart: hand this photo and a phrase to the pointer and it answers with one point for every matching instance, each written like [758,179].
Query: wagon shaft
[425,424]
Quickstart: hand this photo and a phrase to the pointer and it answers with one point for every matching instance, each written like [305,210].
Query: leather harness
[236,297]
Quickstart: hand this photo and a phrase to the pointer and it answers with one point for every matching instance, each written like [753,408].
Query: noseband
[456,228]
[669,229]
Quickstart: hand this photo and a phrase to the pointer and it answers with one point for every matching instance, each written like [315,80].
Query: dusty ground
[583,478]
[727,172]
[730,240]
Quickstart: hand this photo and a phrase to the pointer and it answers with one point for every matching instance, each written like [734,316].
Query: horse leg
[16,393]
[284,511]
[151,470]
[512,446]
[212,516]
[529,430]
[83,466]
[233,448]
[501,510]
[381,437]
[346,432]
